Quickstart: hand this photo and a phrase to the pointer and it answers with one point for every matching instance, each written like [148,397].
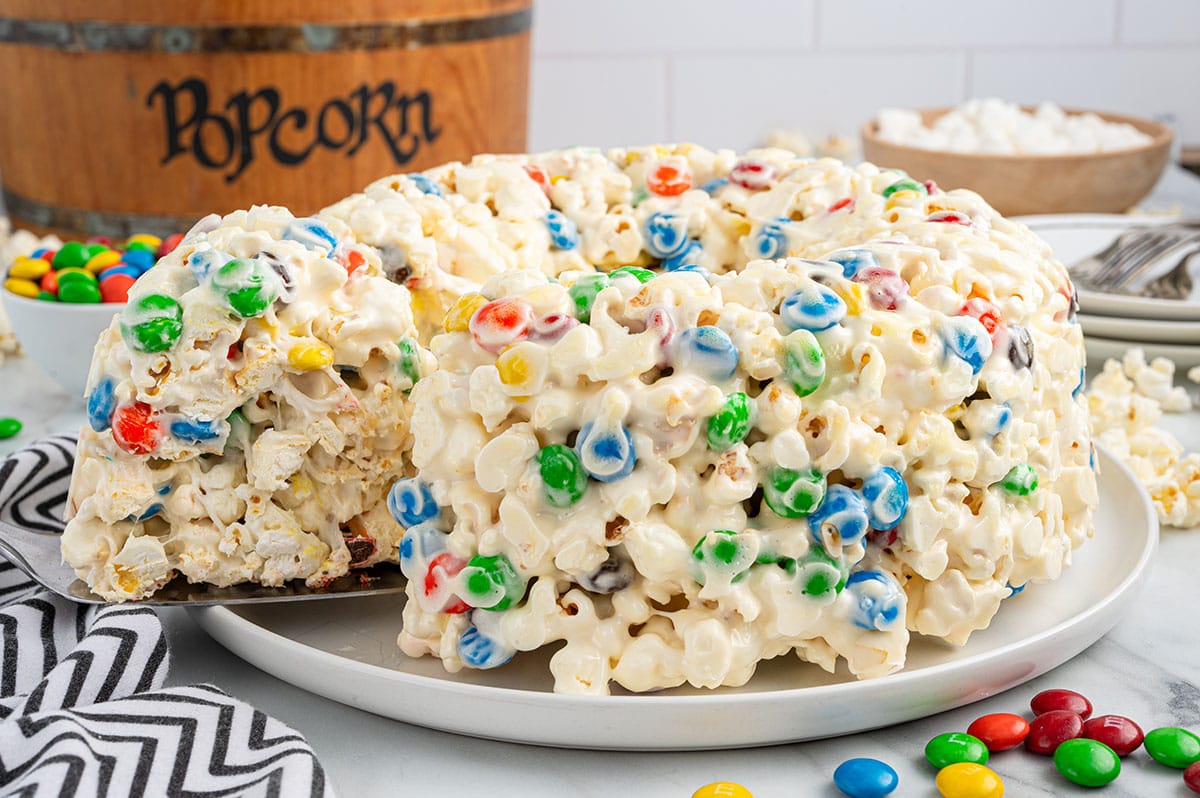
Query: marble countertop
[1147,667]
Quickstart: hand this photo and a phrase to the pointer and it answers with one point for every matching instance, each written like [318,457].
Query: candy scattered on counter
[722,789]
[9,428]
[1000,731]
[1089,763]
[86,272]
[1173,747]
[865,778]
[1049,700]
[1051,729]
[1119,733]
[947,749]
[969,780]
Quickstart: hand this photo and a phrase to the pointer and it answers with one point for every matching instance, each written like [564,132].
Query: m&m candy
[771,240]
[313,234]
[1022,480]
[550,328]
[409,362]
[423,183]
[841,518]
[1118,732]
[803,362]
[563,232]
[10,427]
[152,323]
[946,749]
[410,501]
[478,650]
[904,184]
[793,494]
[636,272]
[491,582]
[1000,731]
[583,293]
[100,404]
[752,174]
[886,495]
[813,307]
[819,576]
[722,789]
[1173,746]
[1020,347]
[684,258]
[969,780]
[670,178]
[1087,762]
[877,600]
[1050,700]
[247,285]
[886,290]
[501,323]
[564,479]
[707,351]
[853,261]
[1050,729]
[615,573]
[136,429]
[725,551]
[665,233]
[966,339]
[605,450]
[866,778]
[731,423]
[194,431]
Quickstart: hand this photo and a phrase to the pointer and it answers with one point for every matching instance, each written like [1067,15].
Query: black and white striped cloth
[83,709]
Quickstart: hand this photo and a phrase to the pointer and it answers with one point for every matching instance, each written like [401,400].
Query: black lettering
[200,149]
[285,156]
[365,118]
[170,98]
[323,132]
[242,104]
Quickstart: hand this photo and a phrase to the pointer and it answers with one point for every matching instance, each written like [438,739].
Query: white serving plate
[345,650]
[1075,236]
[1186,333]
[1099,349]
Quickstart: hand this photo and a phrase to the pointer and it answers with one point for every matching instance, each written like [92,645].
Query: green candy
[563,478]
[793,494]
[79,292]
[248,286]
[70,254]
[95,249]
[409,363]
[639,196]
[1173,746]
[1021,480]
[46,296]
[584,293]
[953,747]
[904,184]
[492,583]
[9,427]
[134,246]
[152,323]
[722,550]
[71,278]
[803,362]
[731,424]
[239,432]
[1089,763]
[820,576]
[642,275]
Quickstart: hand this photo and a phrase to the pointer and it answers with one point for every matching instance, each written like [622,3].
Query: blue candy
[814,308]
[563,232]
[1003,418]
[1013,589]
[844,510]
[139,259]
[477,650]
[193,431]
[771,242]
[688,256]
[425,184]
[607,454]
[129,271]
[853,261]
[420,544]
[313,234]
[666,234]
[100,404]
[865,778]
[886,495]
[714,185]
[410,502]
[692,267]
[877,599]
[203,262]
[149,513]
[1078,388]
[707,351]
[967,340]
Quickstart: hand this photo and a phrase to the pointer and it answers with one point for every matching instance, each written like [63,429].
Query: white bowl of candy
[1025,160]
[59,337]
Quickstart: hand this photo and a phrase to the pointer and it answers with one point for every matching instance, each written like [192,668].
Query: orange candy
[670,179]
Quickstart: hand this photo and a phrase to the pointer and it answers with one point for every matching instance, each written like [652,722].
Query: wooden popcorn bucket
[123,116]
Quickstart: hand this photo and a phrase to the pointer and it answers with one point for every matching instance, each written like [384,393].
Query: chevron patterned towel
[83,710]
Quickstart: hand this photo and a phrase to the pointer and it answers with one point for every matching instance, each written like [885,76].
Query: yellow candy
[513,367]
[458,317]
[969,780]
[154,242]
[29,268]
[102,260]
[722,789]
[22,287]
[902,198]
[852,295]
[310,356]
[555,179]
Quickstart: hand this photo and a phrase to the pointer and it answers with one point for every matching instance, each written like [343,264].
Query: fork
[1130,256]
[1175,284]
[37,554]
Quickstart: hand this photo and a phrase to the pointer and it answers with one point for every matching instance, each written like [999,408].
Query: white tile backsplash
[725,72]
[912,24]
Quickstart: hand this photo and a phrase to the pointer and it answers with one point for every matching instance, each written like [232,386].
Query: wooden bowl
[1106,182]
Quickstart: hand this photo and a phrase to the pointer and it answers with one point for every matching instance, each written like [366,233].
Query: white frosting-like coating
[279,461]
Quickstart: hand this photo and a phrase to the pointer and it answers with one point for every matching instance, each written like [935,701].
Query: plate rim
[218,620]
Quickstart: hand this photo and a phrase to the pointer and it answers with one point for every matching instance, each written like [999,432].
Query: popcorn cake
[248,411]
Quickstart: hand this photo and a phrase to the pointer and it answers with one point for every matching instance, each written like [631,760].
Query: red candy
[1116,731]
[752,174]
[1049,700]
[1191,777]
[989,316]
[167,246]
[949,217]
[1000,731]
[49,282]
[931,187]
[885,288]
[134,428]
[552,327]
[659,319]
[354,261]
[1051,729]
[845,202]
[441,566]
[538,176]
[500,323]
[670,179]
[115,288]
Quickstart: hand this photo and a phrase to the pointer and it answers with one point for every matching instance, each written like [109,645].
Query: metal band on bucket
[312,38]
[114,224]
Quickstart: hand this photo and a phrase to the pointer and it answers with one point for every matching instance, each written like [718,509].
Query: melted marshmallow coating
[265,466]
[951,359]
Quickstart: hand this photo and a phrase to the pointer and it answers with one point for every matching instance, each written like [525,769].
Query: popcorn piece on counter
[1126,401]
[726,452]
[999,127]
[247,413]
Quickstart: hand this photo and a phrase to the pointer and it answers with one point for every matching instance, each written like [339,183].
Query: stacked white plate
[1113,323]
